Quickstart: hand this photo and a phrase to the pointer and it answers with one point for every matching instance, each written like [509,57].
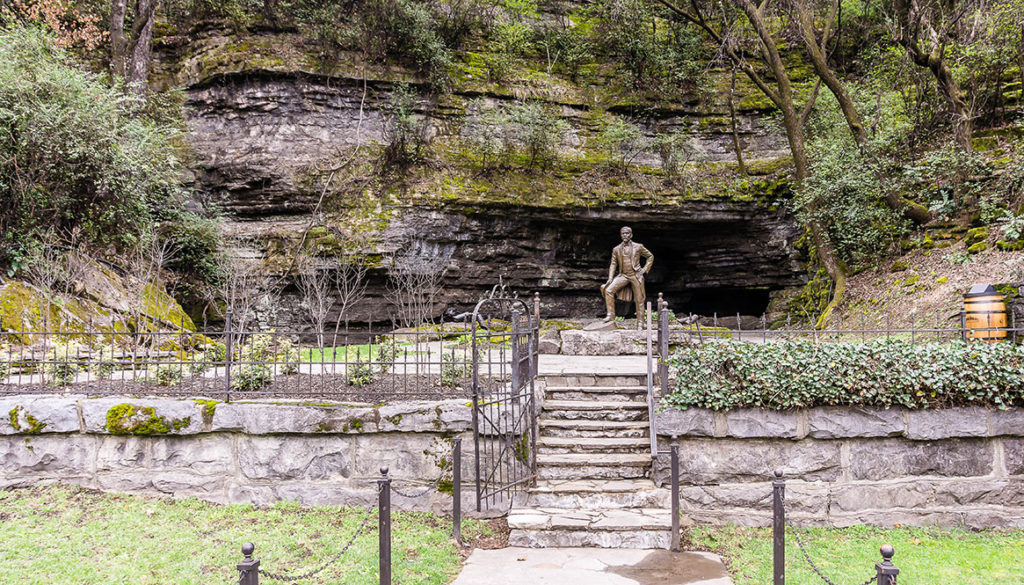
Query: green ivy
[801,374]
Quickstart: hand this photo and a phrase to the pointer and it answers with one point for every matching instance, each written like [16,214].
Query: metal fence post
[885,570]
[384,526]
[227,356]
[248,569]
[779,530]
[663,333]
[457,490]
[963,325]
[675,496]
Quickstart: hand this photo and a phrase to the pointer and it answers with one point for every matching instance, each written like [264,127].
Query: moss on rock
[129,419]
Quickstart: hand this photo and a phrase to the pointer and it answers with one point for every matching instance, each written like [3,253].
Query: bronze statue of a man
[626,269]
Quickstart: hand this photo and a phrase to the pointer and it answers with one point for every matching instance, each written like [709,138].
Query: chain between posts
[884,569]
[329,562]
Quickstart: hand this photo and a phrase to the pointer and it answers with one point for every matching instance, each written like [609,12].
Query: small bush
[103,362]
[622,142]
[388,353]
[62,363]
[801,374]
[452,371]
[405,131]
[168,374]
[360,374]
[251,377]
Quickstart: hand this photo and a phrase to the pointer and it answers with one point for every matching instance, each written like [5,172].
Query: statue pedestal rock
[600,326]
[626,277]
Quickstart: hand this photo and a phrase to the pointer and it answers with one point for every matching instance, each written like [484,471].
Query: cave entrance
[704,263]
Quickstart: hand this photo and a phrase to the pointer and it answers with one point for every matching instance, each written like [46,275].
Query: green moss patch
[129,419]
[22,421]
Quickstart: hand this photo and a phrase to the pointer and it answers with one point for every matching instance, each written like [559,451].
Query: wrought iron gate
[505,336]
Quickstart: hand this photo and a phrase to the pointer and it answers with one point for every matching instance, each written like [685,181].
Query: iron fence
[885,572]
[922,329]
[375,363]
[250,570]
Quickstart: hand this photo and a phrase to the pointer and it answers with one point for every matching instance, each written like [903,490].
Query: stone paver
[591,566]
[548,365]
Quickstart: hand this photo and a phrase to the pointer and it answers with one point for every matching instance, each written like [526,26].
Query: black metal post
[778,530]
[384,526]
[227,356]
[663,333]
[885,570]
[457,490]
[963,325]
[675,497]
[249,568]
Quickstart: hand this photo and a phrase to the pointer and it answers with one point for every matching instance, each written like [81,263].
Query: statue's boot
[609,304]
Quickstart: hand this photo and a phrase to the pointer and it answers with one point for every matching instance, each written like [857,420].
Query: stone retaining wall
[243,452]
[844,465]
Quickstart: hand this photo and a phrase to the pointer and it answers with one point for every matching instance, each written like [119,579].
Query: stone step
[594,410]
[592,428]
[597,494]
[592,444]
[610,393]
[619,528]
[564,379]
[640,539]
[592,466]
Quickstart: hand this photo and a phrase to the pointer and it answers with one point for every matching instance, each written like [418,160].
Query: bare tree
[349,285]
[146,265]
[315,286]
[414,281]
[245,286]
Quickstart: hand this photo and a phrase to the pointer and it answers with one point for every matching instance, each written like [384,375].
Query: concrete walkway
[591,566]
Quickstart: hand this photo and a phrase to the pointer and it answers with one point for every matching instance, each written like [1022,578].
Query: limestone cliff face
[264,120]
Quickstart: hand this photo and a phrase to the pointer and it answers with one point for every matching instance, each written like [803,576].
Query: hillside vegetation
[882,126]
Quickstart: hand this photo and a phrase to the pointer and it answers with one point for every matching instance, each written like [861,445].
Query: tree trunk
[137,74]
[792,122]
[910,25]
[911,210]
[118,42]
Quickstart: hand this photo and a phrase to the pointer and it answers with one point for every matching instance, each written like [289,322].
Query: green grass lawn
[847,556]
[67,535]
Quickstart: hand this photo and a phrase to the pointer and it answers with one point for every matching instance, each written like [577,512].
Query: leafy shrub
[388,353]
[622,142]
[452,371]
[80,150]
[102,361]
[359,374]
[258,358]
[674,150]
[168,374]
[567,49]
[652,52]
[288,356]
[405,29]
[405,132]
[62,364]
[537,131]
[800,374]
[251,377]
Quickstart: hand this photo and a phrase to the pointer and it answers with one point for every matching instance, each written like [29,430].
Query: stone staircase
[593,466]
